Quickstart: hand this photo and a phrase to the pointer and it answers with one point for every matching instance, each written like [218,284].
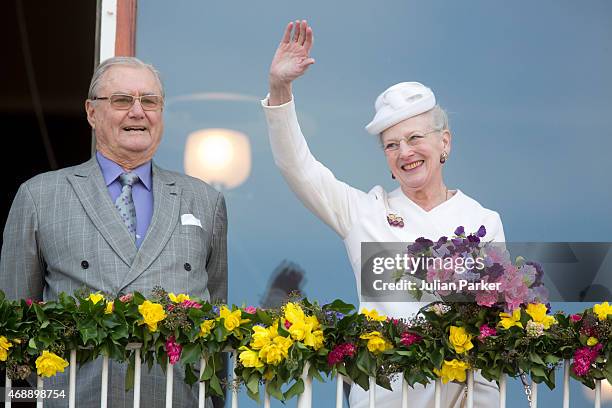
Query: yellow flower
[376,343]
[314,339]
[275,351]
[373,315]
[261,337]
[591,341]
[453,370]
[249,358]
[538,311]
[205,327]
[509,320]
[152,313]
[178,299]
[294,313]
[5,344]
[602,310]
[49,364]
[232,320]
[109,307]
[95,297]
[460,339]
[298,330]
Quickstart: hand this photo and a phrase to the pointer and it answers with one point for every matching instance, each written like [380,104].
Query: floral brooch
[395,220]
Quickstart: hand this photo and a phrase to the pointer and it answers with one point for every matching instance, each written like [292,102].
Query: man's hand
[291,60]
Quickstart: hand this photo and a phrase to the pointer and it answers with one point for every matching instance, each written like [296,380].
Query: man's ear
[90,109]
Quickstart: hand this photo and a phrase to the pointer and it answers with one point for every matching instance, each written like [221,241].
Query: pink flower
[170,307]
[187,304]
[29,302]
[486,331]
[287,324]
[339,352]
[486,298]
[126,298]
[584,357]
[575,318]
[173,349]
[408,339]
[250,309]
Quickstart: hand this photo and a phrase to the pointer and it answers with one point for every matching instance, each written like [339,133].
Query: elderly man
[117,224]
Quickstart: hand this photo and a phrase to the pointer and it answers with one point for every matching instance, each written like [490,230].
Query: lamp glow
[218,156]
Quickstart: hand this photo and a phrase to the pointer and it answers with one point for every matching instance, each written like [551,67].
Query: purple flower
[460,231]
[482,231]
[173,349]
[473,239]
[215,310]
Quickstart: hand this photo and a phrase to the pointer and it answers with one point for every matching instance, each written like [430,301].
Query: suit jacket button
[187,267]
[84,264]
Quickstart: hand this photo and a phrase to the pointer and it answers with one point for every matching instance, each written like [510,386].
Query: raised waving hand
[291,60]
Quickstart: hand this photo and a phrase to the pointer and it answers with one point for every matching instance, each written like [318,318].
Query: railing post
[566,386]
[169,383]
[372,392]
[534,394]
[339,390]
[266,396]
[234,382]
[104,386]
[502,391]
[305,399]
[470,389]
[137,369]
[202,385]
[8,385]
[72,389]
[597,393]
[438,393]
[404,392]
[39,386]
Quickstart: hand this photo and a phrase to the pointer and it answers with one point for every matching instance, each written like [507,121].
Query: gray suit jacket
[64,233]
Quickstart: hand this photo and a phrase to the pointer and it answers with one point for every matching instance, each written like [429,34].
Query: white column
[104,387]
[39,386]
[339,390]
[534,394]
[8,385]
[566,385]
[305,399]
[470,389]
[108,29]
[169,383]
[266,397]
[372,392]
[502,391]
[597,393]
[404,392]
[137,367]
[234,383]
[202,385]
[72,388]
[438,393]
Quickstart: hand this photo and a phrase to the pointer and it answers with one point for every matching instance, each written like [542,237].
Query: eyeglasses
[391,146]
[125,102]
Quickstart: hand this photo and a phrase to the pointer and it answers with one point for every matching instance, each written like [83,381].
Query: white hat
[400,102]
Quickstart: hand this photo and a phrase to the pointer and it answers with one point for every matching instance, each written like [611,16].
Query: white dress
[362,217]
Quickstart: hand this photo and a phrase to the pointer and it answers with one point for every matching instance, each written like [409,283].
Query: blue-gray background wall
[528,86]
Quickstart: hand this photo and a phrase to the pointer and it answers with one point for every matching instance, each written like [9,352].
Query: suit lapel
[166,206]
[89,186]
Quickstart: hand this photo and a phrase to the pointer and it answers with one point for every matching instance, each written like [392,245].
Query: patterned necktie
[125,203]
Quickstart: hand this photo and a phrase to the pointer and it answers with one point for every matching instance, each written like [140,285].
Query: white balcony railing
[305,399]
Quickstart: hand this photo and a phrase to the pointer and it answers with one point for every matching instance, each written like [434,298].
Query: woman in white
[416,141]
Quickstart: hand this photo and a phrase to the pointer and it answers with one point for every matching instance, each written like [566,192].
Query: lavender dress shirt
[142,192]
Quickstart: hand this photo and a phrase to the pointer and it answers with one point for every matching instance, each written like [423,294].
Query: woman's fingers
[309,39]
[296,31]
[287,34]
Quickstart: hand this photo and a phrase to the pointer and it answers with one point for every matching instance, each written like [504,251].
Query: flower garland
[274,345]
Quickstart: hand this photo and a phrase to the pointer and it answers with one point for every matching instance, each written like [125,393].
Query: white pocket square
[189,219]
